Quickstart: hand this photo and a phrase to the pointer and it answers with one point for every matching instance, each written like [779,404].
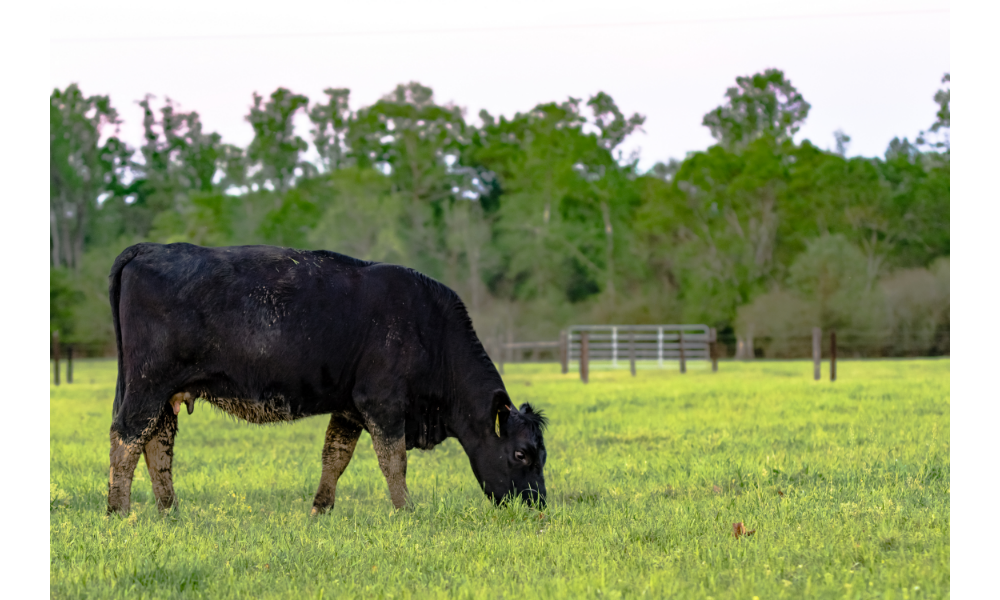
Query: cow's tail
[114,294]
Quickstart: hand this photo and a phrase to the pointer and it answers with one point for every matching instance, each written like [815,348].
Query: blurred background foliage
[538,220]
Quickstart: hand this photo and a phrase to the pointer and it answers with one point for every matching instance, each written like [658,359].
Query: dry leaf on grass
[739,530]
[716,489]
[781,494]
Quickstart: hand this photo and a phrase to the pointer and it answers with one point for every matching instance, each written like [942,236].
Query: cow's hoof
[318,510]
[167,510]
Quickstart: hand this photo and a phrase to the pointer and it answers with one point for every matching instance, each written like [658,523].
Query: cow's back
[286,329]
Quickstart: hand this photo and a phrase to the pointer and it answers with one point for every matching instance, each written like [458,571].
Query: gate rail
[633,343]
[652,342]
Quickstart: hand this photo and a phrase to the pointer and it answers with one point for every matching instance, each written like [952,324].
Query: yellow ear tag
[496,424]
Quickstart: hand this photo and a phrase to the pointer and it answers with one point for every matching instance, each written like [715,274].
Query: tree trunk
[609,250]
[79,234]
[54,234]
[66,241]
[473,256]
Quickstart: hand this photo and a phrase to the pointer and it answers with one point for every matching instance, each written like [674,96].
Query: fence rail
[614,343]
[646,342]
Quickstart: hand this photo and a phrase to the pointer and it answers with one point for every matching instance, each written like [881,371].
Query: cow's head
[512,456]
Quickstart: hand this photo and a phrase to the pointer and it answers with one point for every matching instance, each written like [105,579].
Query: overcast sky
[868,67]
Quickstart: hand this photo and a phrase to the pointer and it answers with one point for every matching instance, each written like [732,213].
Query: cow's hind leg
[124,457]
[159,453]
[341,437]
[139,420]
[391,454]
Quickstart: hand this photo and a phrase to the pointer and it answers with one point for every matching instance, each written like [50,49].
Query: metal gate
[649,343]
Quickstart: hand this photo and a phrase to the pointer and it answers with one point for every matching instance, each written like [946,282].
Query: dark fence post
[55,353]
[713,349]
[69,364]
[817,353]
[564,351]
[833,356]
[584,356]
[680,337]
[631,352]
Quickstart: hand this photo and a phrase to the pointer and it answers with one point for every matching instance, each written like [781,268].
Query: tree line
[538,220]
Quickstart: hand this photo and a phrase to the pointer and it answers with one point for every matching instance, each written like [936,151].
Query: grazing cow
[273,334]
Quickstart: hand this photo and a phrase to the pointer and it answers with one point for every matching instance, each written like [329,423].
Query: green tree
[330,124]
[413,138]
[832,274]
[416,143]
[562,223]
[275,149]
[82,168]
[178,159]
[763,104]
[363,217]
[63,297]
[611,121]
[942,124]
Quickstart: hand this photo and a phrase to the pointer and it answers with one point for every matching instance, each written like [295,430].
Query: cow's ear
[502,408]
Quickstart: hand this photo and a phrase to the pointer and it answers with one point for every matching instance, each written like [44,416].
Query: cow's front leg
[124,457]
[159,453]
[338,448]
[391,454]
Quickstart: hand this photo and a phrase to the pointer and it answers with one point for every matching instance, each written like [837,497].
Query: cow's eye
[518,455]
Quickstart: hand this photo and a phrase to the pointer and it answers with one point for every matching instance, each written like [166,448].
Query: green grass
[646,477]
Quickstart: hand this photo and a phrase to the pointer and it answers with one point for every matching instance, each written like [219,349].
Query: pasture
[845,484]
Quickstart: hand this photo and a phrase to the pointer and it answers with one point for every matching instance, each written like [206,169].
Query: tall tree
[762,104]
[330,121]
[82,167]
[416,142]
[942,124]
[413,138]
[275,150]
[611,121]
[566,200]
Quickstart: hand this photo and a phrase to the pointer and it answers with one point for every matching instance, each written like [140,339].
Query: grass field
[846,485]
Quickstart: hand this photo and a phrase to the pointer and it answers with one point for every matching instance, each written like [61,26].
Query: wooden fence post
[817,354]
[749,347]
[55,353]
[713,349]
[564,351]
[584,356]
[69,364]
[631,352]
[680,337]
[833,356]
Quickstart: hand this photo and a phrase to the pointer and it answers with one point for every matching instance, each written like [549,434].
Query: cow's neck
[471,397]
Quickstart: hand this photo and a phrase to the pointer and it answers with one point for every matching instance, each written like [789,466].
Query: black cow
[273,334]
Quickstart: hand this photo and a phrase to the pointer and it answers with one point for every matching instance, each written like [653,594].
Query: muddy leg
[341,438]
[124,457]
[392,460]
[159,453]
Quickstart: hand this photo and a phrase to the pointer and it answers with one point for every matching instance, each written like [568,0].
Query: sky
[868,68]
